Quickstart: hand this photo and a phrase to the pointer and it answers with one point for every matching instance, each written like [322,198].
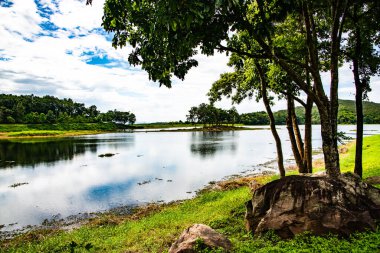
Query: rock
[189,238]
[106,155]
[320,205]
[321,173]
[254,185]
[372,180]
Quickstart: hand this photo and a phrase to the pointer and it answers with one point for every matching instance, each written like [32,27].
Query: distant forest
[32,109]
[346,115]
[209,115]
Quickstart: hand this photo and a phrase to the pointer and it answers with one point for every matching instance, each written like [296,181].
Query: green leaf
[174,25]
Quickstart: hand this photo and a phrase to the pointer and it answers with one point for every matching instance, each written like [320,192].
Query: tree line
[207,114]
[31,109]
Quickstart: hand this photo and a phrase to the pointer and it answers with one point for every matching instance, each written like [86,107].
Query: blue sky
[57,47]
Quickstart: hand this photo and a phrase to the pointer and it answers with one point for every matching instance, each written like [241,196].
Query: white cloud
[55,64]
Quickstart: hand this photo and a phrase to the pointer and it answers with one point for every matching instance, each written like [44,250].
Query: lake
[63,177]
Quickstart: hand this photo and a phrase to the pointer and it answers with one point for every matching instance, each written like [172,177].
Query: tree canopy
[48,109]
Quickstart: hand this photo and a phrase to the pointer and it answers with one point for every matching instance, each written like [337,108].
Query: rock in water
[199,233]
[321,205]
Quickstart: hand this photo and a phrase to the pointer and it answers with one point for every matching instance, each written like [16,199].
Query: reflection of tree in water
[207,144]
[19,153]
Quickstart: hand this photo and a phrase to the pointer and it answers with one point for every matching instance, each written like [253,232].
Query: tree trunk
[280,157]
[329,146]
[297,131]
[338,11]
[358,101]
[290,124]
[359,131]
[308,149]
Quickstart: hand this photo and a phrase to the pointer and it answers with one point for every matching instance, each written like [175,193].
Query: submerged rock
[199,235]
[320,205]
[106,155]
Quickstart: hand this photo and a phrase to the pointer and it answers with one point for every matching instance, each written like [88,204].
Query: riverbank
[161,125]
[25,131]
[202,129]
[153,228]
[17,131]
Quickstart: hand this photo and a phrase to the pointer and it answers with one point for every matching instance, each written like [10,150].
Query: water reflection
[35,152]
[207,144]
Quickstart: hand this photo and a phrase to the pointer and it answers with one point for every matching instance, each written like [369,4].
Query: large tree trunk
[280,157]
[329,145]
[308,149]
[359,131]
[292,130]
[329,135]
[297,131]
[358,101]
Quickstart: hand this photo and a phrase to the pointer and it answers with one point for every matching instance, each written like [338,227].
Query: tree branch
[242,53]
[294,97]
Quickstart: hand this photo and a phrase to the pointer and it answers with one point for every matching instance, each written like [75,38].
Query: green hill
[346,114]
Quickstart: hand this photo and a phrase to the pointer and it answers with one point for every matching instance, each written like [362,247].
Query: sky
[58,48]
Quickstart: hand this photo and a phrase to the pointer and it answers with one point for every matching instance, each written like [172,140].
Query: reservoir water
[63,177]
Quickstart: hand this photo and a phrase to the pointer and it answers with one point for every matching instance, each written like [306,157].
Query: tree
[192,117]
[233,116]
[92,111]
[363,36]
[18,112]
[209,114]
[132,118]
[167,34]
[249,78]
[50,117]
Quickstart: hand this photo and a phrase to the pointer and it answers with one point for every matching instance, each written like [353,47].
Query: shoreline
[46,134]
[136,212]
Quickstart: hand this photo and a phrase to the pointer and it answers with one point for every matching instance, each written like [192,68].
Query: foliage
[32,109]
[209,114]
[255,118]
[346,113]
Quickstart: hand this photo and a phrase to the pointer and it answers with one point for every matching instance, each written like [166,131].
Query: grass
[54,130]
[9,131]
[371,149]
[154,228]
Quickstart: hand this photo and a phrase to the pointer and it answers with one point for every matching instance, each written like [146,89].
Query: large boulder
[199,234]
[320,205]
[372,180]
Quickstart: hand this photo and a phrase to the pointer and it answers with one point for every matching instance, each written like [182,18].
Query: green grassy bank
[154,228]
[9,131]
[55,130]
